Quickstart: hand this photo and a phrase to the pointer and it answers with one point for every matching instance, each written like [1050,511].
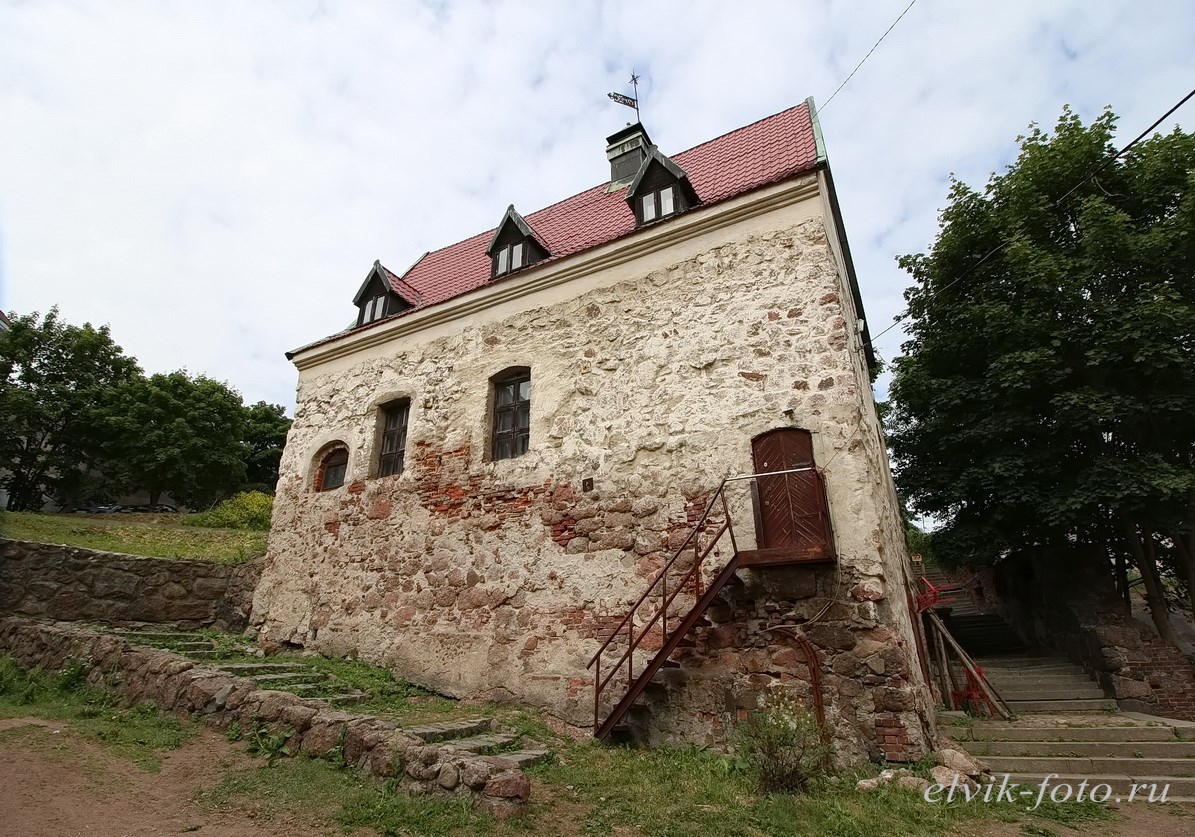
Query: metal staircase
[660,614]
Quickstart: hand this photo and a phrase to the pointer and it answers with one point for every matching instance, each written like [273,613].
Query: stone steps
[526,758]
[490,742]
[1085,747]
[432,733]
[1093,765]
[1181,789]
[250,669]
[477,735]
[1105,732]
[1088,749]
[272,680]
[1064,705]
[1086,691]
[1022,661]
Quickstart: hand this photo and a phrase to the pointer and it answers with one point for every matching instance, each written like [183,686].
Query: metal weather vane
[629,101]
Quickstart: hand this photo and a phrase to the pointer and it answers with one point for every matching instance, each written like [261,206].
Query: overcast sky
[215,179]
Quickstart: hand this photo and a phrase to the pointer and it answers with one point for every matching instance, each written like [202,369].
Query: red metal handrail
[635,638]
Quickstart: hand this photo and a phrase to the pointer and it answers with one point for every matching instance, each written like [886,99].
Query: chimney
[625,150]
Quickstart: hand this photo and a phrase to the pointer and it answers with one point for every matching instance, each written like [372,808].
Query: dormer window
[514,245]
[382,294]
[659,204]
[661,188]
[508,258]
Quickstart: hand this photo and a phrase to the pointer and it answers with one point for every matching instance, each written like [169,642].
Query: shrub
[247,510]
[781,745]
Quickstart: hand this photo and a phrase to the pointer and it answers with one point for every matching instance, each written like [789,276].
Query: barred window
[512,415]
[394,438]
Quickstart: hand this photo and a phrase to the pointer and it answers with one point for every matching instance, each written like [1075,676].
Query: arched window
[510,432]
[333,466]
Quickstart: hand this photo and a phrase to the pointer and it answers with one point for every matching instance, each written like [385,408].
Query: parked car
[162,507]
[103,508]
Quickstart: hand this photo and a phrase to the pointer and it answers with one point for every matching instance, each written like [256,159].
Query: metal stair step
[432,733]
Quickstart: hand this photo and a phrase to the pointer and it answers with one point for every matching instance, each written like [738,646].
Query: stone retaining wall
[73,584]
[1069,604]
[176,684]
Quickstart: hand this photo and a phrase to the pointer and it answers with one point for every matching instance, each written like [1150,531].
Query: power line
[865,57]
[900,317]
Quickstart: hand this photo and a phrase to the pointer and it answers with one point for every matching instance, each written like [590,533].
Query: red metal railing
[668,589]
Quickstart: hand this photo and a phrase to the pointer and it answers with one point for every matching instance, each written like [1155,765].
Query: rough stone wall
[70,584]
[175,684]
[1069,603]
[498,579]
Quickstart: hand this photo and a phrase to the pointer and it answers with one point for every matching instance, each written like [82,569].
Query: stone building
[520,434]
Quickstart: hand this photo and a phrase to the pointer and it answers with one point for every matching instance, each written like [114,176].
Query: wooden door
[793,524]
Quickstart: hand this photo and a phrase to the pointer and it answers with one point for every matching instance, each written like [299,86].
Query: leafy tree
[1046,397]
[266,426]
[55,380]
[177,434]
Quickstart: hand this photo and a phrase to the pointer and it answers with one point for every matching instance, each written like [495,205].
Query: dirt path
[57,784]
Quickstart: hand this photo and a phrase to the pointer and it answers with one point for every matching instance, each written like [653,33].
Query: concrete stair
[1043,684]
[1099,749]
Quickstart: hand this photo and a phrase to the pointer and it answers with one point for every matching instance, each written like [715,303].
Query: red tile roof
[764,152]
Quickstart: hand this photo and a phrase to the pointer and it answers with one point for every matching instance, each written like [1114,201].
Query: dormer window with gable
[661,188]
[514,245]
[381,295]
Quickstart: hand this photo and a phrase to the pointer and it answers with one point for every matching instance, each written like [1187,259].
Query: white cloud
[215,179]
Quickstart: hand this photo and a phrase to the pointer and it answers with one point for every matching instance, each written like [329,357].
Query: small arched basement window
[332,468]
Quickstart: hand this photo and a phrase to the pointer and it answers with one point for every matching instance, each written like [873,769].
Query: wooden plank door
[793,524]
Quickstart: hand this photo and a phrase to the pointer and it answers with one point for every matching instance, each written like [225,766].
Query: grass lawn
[154,535]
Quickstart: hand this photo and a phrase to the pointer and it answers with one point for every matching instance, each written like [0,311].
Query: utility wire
[900,317]
[865,57]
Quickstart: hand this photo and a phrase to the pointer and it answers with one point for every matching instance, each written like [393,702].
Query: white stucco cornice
[685,227]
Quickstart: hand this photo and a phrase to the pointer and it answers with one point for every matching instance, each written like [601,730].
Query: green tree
[55,381]
[177,434]
[266,426]
[1046,397]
